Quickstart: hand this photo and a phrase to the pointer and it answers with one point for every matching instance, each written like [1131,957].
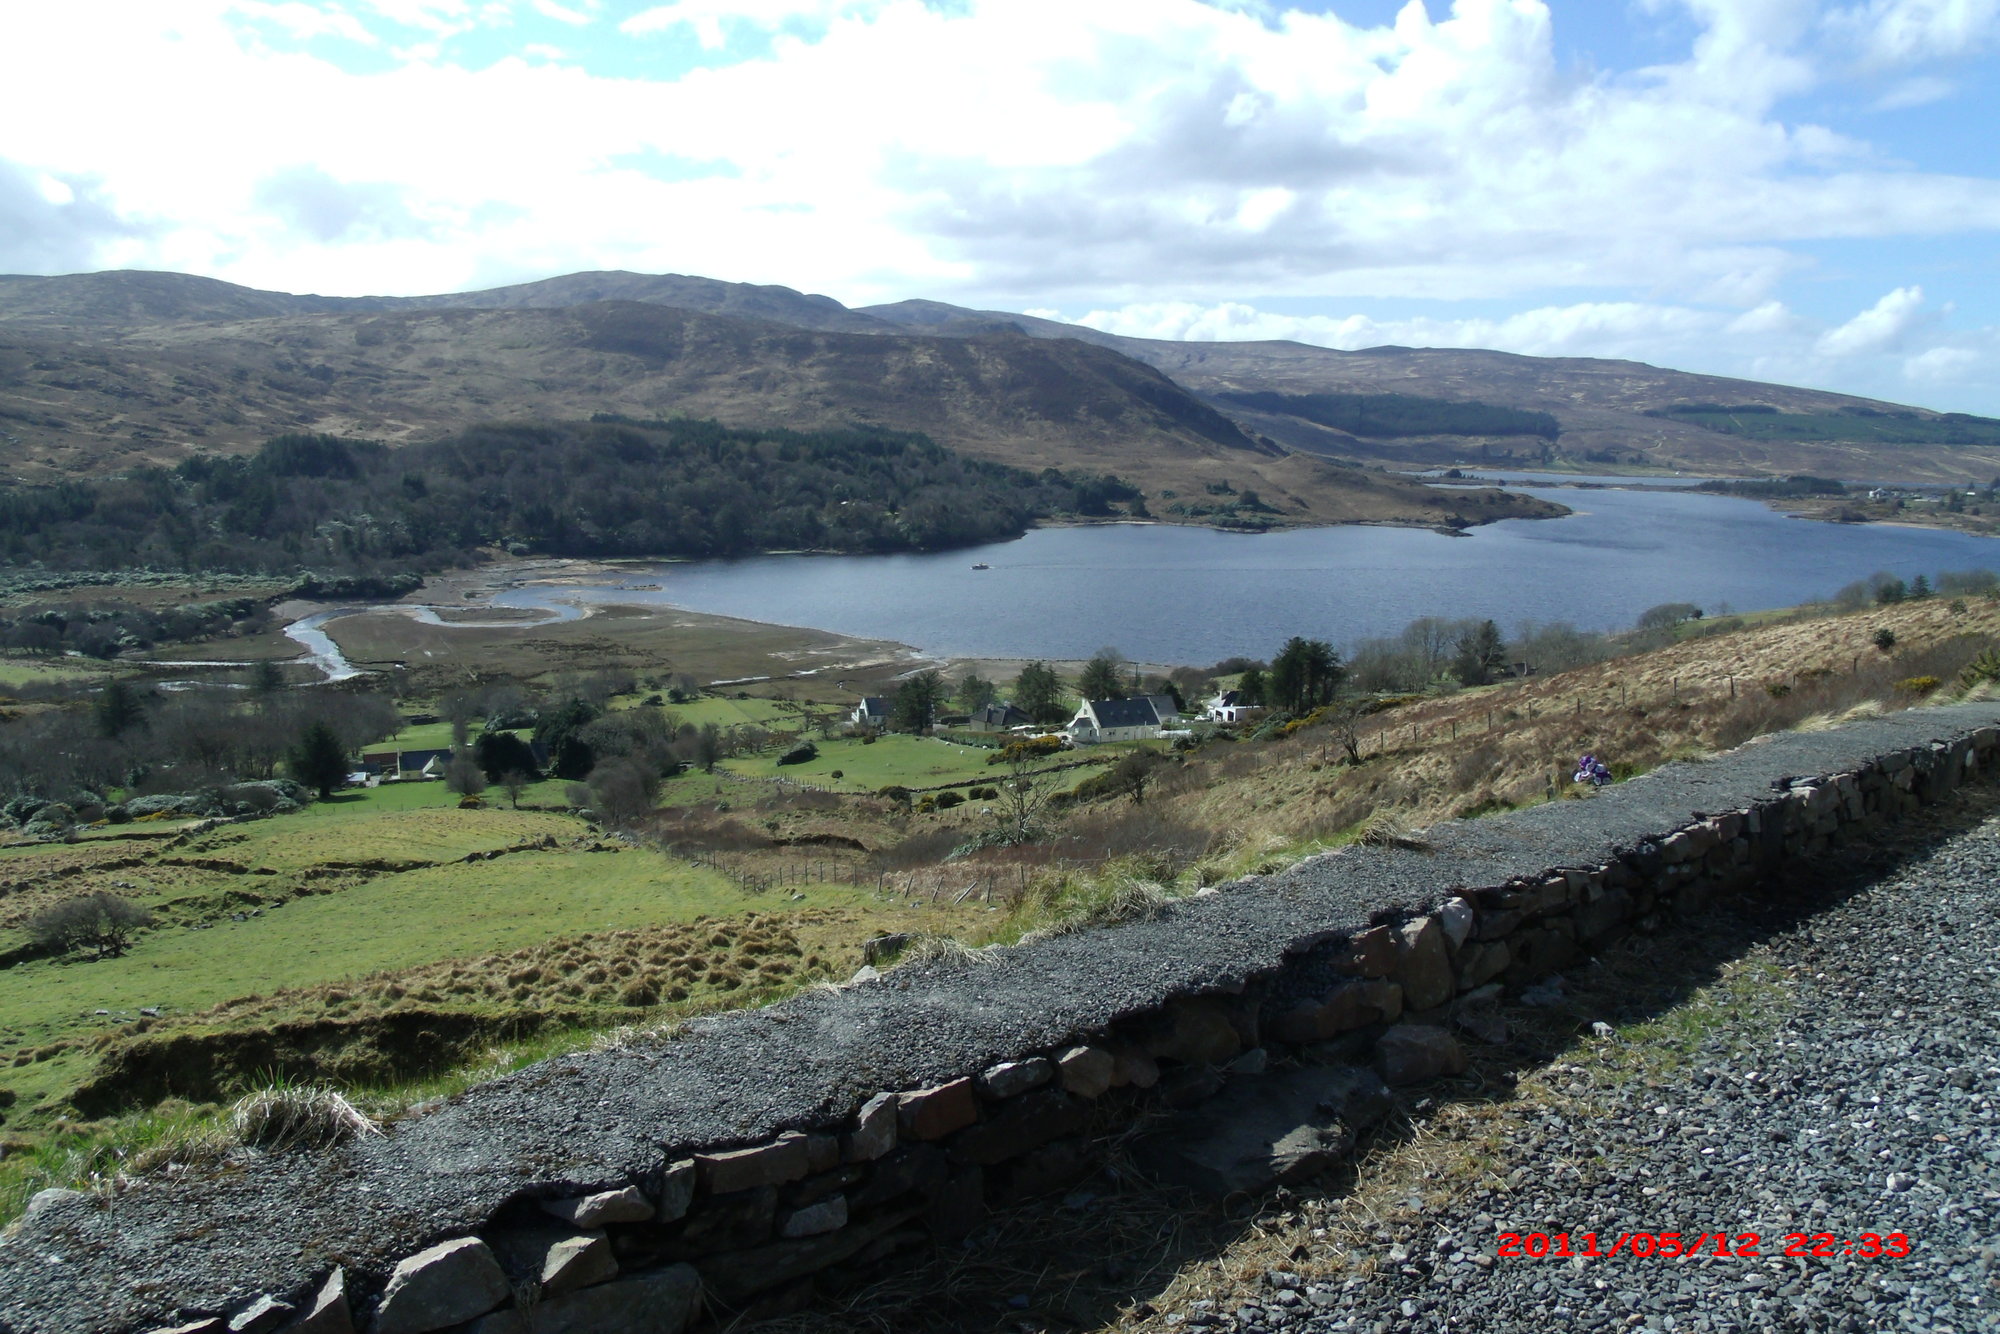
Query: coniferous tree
[318,760]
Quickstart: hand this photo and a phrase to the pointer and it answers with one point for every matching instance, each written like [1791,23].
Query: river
[1164,593]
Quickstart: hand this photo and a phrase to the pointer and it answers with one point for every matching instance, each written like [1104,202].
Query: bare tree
[464,776]
[514,782]
[1021,802]
[100,922]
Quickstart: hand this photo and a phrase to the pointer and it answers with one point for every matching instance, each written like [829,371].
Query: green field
[891,760]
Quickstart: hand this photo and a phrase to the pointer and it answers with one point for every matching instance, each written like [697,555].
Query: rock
[1252,1062]
[1195,1031]
[822,1153]
[261,1316]
[1010,1079]
[1424,966]
[736,1276]
[1483,1022]
[1482,963]
[628,1205]
[660,1302]
[1087,1071]
[884,948]
[1135,1068]
[1348,1006]
[958,1210]
[328,1312]
[935,1112]
[1413,1053]
[556,1259]
[1020,1125]
[814,1219]
[1051,1167]
[211,1325]
[676,1191]
[874,1132]
[451,1282]
[729,1222]
[1371,953]
[915,1168]
[782,1159]
[1457,919]
[867,972]
[1265,1129]
[54,1197]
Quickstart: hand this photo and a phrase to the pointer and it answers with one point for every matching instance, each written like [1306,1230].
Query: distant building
[1228,707]
[872,711]
[1104,720]
[998,717]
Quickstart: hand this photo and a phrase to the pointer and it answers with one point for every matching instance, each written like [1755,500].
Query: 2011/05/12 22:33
[1667,1245]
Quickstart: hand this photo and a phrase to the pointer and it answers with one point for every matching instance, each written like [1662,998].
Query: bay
[1163,593]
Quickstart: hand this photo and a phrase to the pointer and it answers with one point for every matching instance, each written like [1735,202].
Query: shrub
[944,801]
[102,922]
[1985,667]
[1777,689]
[306,1117]
[837,774]
[800,753]
[1027,748]
[1885,639]
[1918,685]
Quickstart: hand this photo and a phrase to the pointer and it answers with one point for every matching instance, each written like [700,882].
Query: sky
[1804,191]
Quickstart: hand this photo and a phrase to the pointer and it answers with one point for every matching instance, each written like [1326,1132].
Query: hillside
[1613,413]
[104,372]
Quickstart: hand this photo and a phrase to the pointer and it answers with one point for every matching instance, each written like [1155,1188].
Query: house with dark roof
[871,712]
[1228,707]
[1139,719]
[998,717]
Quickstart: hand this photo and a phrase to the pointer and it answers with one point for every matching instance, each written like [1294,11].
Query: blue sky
[1805,191]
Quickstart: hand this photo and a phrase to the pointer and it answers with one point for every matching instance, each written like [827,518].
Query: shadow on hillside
[1095,1256]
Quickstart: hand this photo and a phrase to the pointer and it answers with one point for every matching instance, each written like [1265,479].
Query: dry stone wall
[707,1233]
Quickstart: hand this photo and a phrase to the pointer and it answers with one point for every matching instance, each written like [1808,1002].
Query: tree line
[1379,416]
[589,489]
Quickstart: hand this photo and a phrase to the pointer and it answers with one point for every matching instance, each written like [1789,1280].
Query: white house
[1139,719]
[872,711]
[1228,707]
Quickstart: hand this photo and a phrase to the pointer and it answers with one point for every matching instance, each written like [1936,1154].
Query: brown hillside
[147,385]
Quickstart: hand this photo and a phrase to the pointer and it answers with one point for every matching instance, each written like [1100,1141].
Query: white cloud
[562,13]
[1893,33]
[1942,365]
[1880,328]
[714,20]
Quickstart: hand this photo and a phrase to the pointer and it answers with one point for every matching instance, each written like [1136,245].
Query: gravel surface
[601,1118]
[1849,1084]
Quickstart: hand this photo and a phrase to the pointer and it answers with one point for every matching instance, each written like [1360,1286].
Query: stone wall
[706,1235]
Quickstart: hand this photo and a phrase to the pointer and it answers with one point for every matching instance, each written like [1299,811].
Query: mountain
[1609,412]
[104,372]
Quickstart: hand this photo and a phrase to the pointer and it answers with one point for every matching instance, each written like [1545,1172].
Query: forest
[605,488]
[1380,416]
[1759,421]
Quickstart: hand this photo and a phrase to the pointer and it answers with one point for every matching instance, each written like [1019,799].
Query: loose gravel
[1843,1077]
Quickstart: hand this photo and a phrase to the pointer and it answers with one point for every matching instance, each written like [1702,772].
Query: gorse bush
[102,922]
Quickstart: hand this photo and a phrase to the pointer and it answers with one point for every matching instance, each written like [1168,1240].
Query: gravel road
[1855,1088]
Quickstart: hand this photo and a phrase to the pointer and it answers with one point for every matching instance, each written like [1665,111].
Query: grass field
[21,669]
[892,760]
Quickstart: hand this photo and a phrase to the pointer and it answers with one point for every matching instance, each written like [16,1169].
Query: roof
[875,706]
[997,714]
[1124,712]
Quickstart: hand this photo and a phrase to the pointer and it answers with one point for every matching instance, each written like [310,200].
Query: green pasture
[891,760]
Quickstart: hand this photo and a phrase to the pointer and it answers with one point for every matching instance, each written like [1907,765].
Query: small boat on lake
[982,565]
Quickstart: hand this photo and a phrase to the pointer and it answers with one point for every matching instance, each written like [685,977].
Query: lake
[1164,593]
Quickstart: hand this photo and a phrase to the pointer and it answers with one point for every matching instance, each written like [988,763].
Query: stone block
[1457,918]
[728,1222]
[1607,917]
[626,1205]
[660,1302]
[736,1277]
[782,1159]
[1412,1054]
[1049,1168]
[328,1311]
[1197,1030]
[1265,1130]
[1135,1068]
[452,1282]
[825,1216]
[262,1316]
[1349,1006]
[1010,1079]
[1022,1124]
[874,1132]
[555,1259]
[210,1325]
[822,1153]
[1087,1071]
[913,1169]
[801,1193]
[676,1190]
[1540,951]
[1370,953]
[1497,924]
[1423,966]
[1482,963]
[933,1113]
[957,1210]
